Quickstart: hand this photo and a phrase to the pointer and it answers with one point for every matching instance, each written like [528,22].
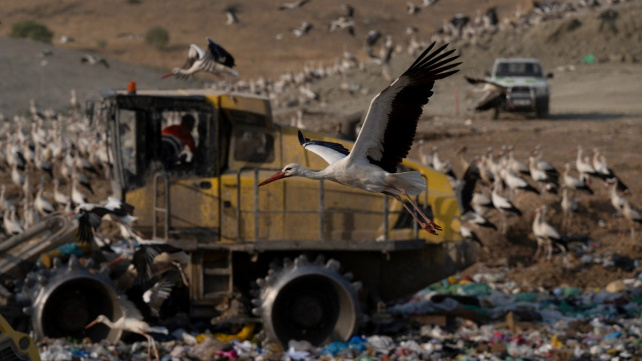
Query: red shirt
[182,134]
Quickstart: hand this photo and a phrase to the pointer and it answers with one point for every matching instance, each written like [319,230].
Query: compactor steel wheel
[302,300]
[63,300]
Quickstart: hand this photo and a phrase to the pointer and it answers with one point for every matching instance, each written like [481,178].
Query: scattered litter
[484,317]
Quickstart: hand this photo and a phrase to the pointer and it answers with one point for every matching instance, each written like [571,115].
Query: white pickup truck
[526,87]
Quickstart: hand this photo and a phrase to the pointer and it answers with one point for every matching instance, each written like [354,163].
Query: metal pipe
[256,204]
[321,208]
[386,213]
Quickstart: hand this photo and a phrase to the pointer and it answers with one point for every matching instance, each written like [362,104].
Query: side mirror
[549,75]
[487,74]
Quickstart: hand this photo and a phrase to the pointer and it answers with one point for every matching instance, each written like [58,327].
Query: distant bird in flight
[230,13]
[293,5]
[215,60]
[302,30]
[494,95]
[93,60]
[412,8]
[385,138]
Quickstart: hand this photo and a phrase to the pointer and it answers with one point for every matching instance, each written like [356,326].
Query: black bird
[494,94]
[464,193]
[157,258]
[91,215]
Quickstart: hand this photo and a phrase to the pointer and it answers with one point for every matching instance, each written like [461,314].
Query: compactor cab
[306,259]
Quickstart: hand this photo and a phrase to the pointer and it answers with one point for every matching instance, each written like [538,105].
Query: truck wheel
[64,299]
[308,301]
[542,110]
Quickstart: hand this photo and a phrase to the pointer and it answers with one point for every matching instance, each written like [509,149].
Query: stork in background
[215,60]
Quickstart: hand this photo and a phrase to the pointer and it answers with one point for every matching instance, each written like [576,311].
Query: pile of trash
[484,317]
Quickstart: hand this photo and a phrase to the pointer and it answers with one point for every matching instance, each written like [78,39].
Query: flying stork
[494,95]
[385,139]
[215,60]
[91,215]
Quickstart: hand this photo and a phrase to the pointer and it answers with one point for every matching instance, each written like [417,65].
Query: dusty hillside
[95,25]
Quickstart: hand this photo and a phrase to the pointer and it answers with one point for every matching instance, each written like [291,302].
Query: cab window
[253,145]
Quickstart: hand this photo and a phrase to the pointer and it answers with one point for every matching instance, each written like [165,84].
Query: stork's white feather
[328,154]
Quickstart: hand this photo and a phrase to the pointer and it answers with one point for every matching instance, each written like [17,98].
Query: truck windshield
[514,69]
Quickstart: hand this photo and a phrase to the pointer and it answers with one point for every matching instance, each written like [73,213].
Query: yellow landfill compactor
[308,260]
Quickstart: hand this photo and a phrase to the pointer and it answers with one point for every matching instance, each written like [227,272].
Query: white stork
[42,205]
[385,138]
[541,164]
[293,5]
[601,167]
[59,197]
[132,321]
[575,183]
[631,215]
[569,207]
[502,204]
[547,181]
[584,168]
[93,60]
[215,60]
[545,234]
[12,226]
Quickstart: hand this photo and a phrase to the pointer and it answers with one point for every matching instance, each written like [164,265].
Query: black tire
[542,109]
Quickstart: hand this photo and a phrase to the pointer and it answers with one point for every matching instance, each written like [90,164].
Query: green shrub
[157,36]
[32,30]
[101,43]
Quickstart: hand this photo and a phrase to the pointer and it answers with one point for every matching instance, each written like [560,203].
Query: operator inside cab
[178,145]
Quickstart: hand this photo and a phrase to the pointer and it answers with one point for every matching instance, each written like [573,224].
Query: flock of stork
[65,168]
[381,48]
[502,178]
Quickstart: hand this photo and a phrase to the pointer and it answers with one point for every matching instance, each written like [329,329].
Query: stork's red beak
[278,175]
[167,75]
[91,324]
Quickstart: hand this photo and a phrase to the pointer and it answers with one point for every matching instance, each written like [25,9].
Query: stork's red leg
[428,227]
[149,356]
[428,221]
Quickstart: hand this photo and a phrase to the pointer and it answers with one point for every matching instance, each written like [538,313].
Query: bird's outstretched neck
[310,174]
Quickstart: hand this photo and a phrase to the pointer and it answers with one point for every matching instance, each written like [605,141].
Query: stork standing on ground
[132,321]
[545,234]
[385,138]
[465,193]
[569,207]
[502,204]
[546,181]
[585,169]
[602,168]
[575,183]
[631,215]
[215,60]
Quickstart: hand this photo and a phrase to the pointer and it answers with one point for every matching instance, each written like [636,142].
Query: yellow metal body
[16,345]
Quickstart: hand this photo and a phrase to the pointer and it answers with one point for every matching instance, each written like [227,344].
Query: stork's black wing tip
[302,139]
